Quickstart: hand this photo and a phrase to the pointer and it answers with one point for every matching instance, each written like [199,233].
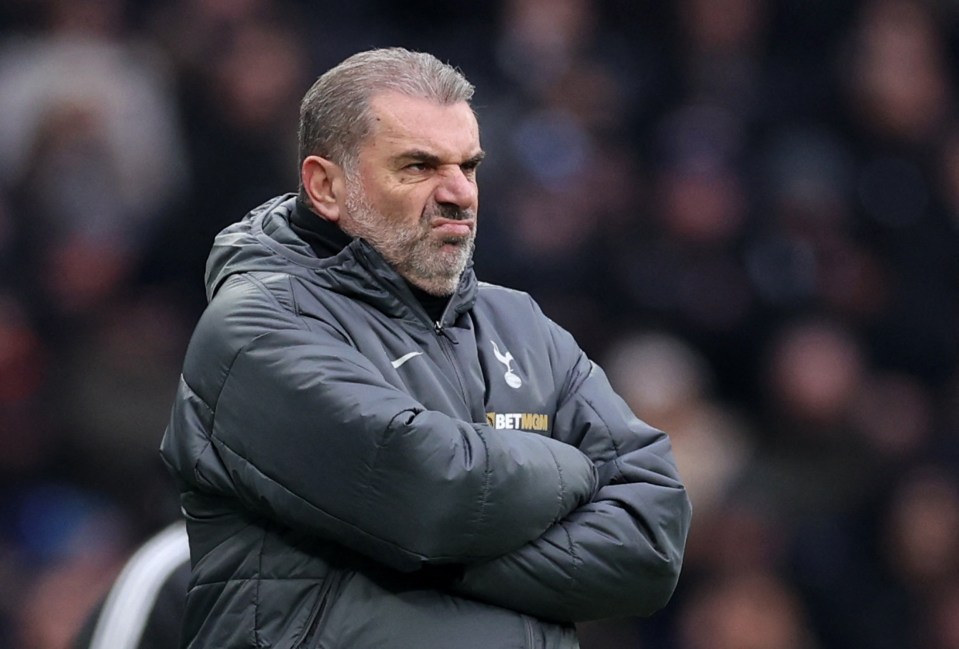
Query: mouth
[452,228]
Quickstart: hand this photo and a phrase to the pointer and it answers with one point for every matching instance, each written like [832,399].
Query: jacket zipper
[441,333]
[446,343]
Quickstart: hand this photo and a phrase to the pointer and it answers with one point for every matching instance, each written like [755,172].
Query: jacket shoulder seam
[282,298]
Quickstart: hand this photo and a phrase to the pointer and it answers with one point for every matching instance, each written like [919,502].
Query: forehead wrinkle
[410,130]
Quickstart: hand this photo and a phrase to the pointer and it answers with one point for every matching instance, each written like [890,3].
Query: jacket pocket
[323,603]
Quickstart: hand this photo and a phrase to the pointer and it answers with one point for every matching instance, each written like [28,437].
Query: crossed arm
[304,429]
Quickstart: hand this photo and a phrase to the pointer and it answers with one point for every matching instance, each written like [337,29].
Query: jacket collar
[326,239]
[396,292]
[266,241]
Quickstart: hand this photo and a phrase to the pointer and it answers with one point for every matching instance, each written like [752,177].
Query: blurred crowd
[747,211]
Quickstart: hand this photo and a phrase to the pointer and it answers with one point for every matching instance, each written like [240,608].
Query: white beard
[433,265]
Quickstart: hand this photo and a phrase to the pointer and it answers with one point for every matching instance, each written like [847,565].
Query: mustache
[451,212]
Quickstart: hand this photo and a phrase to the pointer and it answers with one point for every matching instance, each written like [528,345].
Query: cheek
[401,204]
[408,208]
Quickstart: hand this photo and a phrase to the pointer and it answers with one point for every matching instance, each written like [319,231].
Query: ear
[324,184]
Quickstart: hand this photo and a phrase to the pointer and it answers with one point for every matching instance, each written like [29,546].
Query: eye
[418,167]
[469,168]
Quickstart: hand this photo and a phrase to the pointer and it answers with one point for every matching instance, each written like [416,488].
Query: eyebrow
[432,159]
[476,158]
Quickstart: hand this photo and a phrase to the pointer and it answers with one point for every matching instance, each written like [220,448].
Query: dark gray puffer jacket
[357,476]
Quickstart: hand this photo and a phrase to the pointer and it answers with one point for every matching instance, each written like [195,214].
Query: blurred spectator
[671,385]
[566,184]
[898,75]
[811,463]
[65,545]
[90,152]
[24,361]
[922,532]
[748,610]
[943,626]
[721,61]
[894,414]
[899,98]
[117,384]
[70,589]
[242,71]
[145,605]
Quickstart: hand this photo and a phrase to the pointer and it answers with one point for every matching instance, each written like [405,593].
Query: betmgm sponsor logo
[529,421]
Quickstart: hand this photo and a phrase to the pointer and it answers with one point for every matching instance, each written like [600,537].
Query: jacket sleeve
[621,553]
[301,428]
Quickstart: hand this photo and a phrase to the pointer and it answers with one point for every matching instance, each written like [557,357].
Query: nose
[457,188]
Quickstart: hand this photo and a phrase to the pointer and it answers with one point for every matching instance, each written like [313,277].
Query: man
[376,450]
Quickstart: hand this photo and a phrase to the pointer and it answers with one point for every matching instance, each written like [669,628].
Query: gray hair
[335,114]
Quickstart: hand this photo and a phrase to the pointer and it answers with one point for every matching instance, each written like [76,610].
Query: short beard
[411,250]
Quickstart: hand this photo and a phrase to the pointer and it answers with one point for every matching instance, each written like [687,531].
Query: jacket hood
[264,242]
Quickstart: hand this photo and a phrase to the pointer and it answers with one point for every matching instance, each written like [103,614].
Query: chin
[438,283]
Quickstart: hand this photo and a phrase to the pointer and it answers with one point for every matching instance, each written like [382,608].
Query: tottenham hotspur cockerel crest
[512,379]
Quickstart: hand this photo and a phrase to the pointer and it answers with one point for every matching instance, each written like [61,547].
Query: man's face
[413,195]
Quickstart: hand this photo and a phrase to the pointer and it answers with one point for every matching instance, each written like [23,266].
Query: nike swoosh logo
[405,357]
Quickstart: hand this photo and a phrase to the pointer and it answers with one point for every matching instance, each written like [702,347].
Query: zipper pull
[441,331]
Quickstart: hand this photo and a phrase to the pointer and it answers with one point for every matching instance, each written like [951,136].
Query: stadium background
[746,210]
